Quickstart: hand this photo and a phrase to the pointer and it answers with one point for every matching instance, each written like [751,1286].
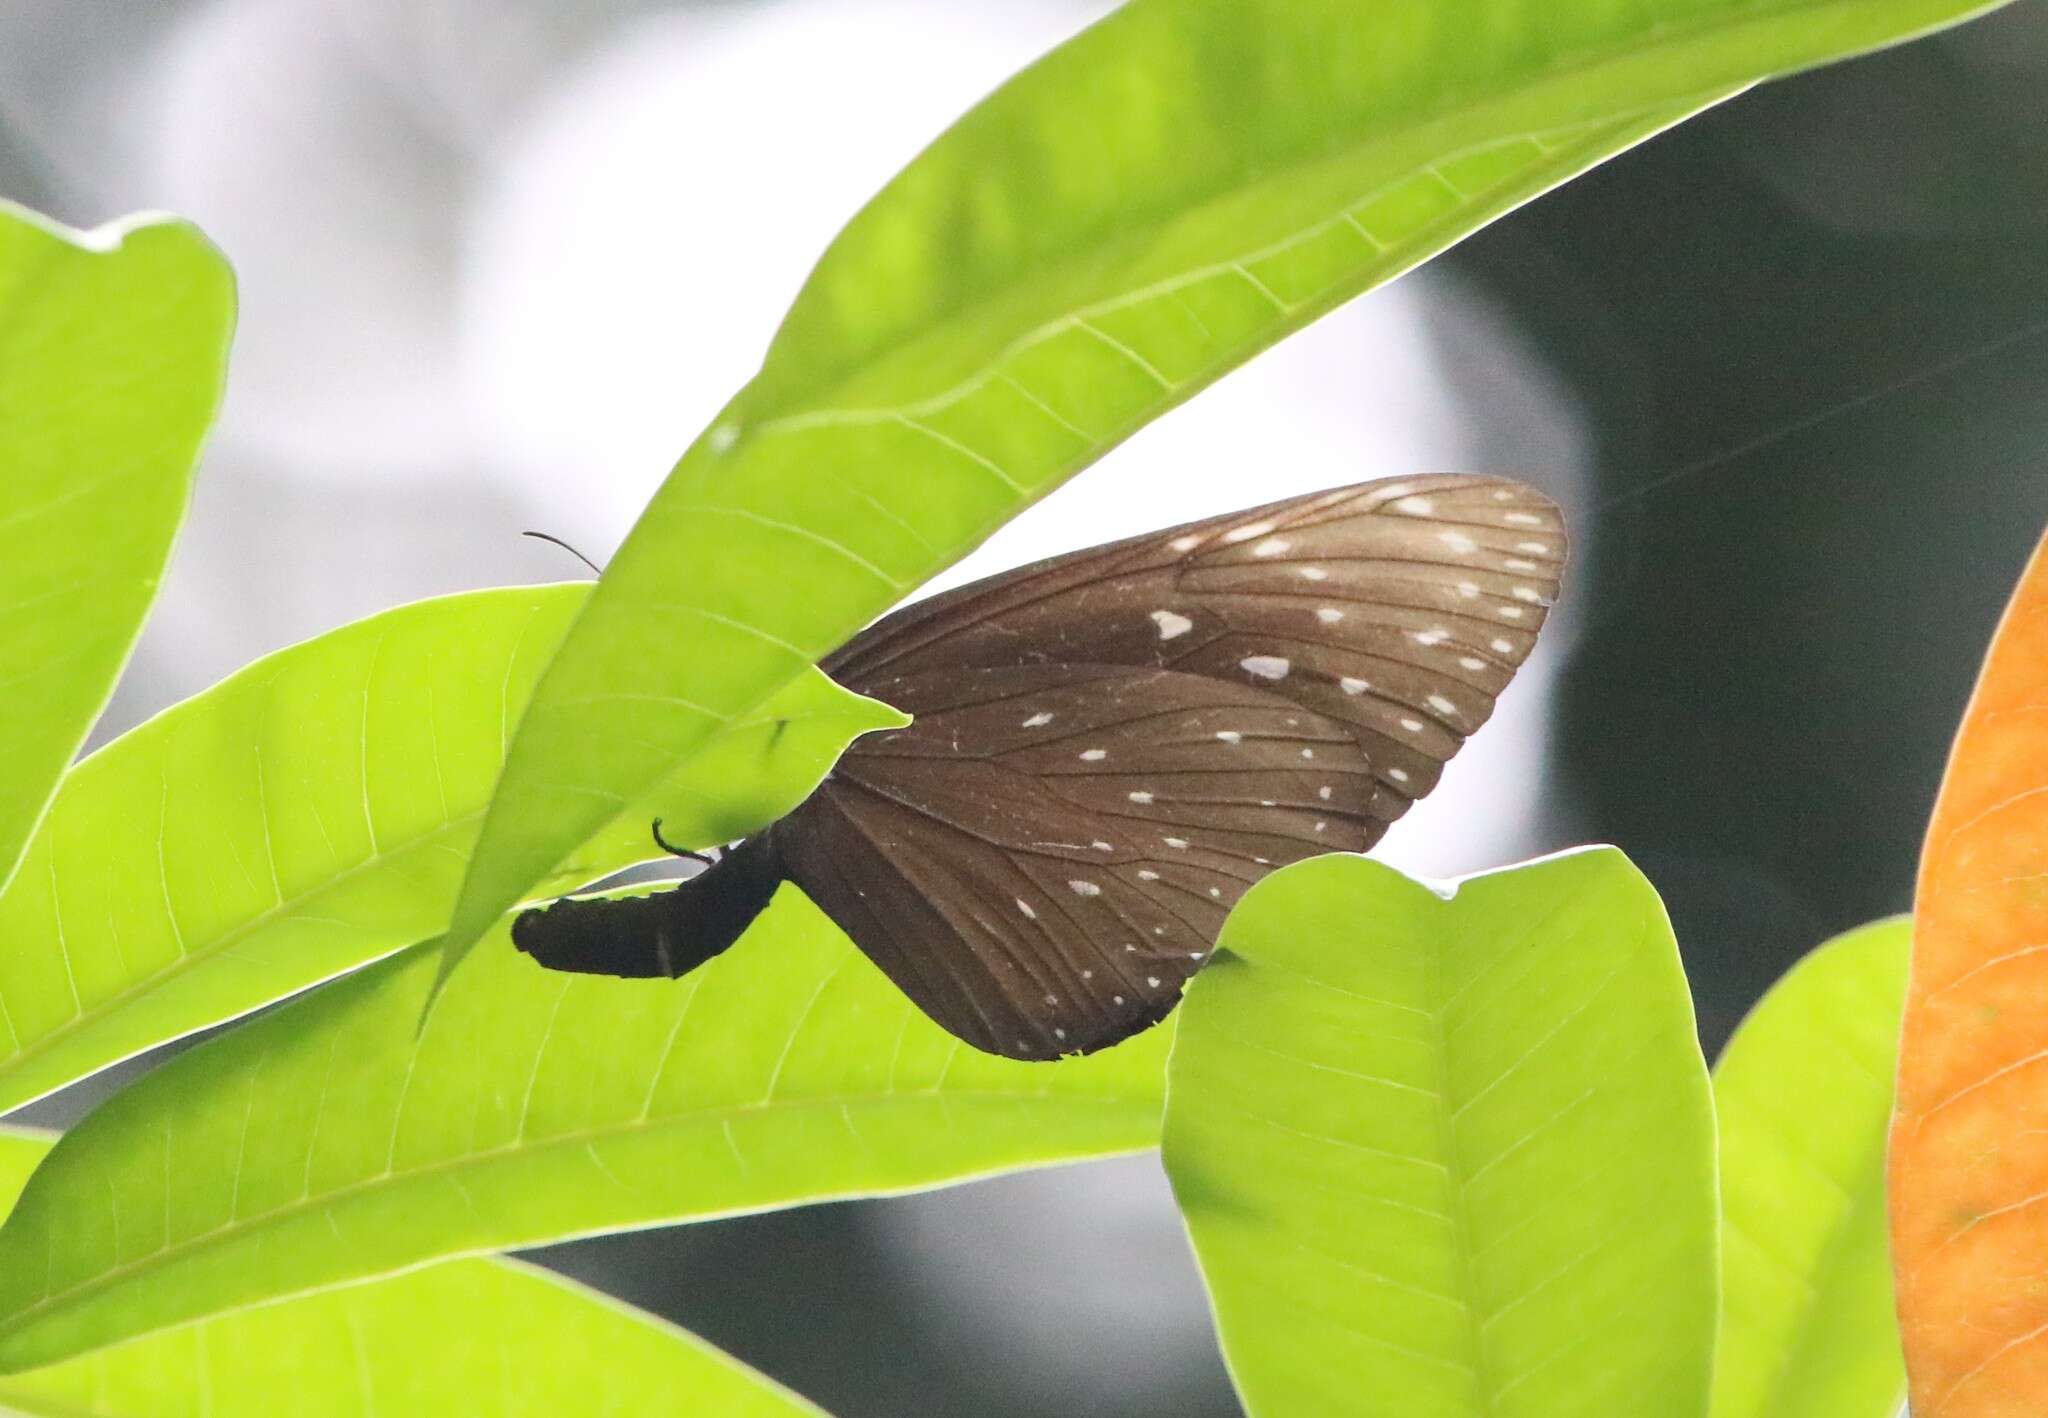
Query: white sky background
[499,264]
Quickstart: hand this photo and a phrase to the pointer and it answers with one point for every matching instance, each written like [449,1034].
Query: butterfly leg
[675,851]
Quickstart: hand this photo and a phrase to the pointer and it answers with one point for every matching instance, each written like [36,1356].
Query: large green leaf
[325,1143]
[315,811]
[1804,1092]
[1450,1155]
[113,351]
[466,1337]
[1137,213]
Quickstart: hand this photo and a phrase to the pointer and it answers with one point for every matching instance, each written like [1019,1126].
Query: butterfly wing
[1047,854]
[1399,608]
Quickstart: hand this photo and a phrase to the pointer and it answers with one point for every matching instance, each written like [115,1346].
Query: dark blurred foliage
[1811,332]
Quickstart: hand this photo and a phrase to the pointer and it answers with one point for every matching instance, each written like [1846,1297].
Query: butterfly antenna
[675,851]
[547,537]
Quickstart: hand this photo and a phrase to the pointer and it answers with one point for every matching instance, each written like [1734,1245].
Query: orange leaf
[1969,1144]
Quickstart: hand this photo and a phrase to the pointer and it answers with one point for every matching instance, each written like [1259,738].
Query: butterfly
[1109,747]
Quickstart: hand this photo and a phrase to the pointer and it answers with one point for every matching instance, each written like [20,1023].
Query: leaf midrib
[20,1320]
[1461,1220]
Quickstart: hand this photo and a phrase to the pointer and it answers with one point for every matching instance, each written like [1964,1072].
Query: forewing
[1399,608]
[1047,854]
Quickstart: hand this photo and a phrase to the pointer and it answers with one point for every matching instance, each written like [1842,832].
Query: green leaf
[113,351]
[1452,1152]
[324,1143]
[21,1150]
[1804,1092]
[471,1336]
[431,1342]
[1134,215]
[315,811]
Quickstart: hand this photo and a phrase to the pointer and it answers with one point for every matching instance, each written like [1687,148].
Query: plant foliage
[1438,1154]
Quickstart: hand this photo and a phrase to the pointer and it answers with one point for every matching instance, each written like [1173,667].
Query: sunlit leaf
[469,1336]
[325,1143]
[113,350]
[316,811]
[1144,209]
[1804,1091]
[1969,1144]
[1450,1155]
[21,1149]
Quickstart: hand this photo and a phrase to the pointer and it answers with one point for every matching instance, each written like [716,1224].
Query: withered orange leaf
[1969,1144]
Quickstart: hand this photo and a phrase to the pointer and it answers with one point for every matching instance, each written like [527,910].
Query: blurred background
[1787,367]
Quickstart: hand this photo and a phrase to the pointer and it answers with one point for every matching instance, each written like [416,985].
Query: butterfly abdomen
[663,935]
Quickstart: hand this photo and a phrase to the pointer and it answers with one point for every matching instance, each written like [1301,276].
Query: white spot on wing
[1266,666]
[1504,646]
[1432,637]
[1415,506]
[1457,541]
[1179,844]
[1521,519]
[1038,720]
[1471,662]
[1329,615]
[1354,686]
[1094,755]
[1230,736]
[1187,543]
[1442,704]
[1171,625]
[1324,792]
[1528,593]
[1140,796]
[1534,548]
[1272,546]
[1148,875]
[1510,612]
[1085,888]
[1399,775]
[1025,907]
[1247,531]
[1518,563]
[1314,573]
[1413,726]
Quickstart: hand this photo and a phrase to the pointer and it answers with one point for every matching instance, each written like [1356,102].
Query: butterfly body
[1109,747]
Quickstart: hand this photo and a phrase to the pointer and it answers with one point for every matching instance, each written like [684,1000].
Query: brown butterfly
[1110,746]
